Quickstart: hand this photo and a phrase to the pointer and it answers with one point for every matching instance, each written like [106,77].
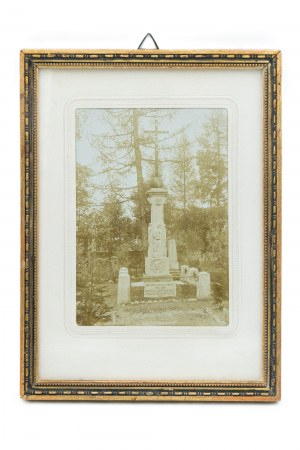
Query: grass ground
[176,312]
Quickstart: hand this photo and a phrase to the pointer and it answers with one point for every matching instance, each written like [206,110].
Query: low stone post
[172,253]
[203,286]
[183,272]
[123,287]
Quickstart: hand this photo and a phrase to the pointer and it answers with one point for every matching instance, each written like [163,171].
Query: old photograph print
[152,217]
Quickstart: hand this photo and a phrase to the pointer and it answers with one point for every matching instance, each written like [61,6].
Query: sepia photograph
[152,217]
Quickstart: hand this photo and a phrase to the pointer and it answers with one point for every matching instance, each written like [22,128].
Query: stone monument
[157,265]
[161,262]
[158,281]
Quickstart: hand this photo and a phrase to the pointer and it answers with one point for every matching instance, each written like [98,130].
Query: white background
[165,353]
[122,24]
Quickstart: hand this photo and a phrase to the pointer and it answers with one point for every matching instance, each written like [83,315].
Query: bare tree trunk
[218,162]
[139,178]
[184,178]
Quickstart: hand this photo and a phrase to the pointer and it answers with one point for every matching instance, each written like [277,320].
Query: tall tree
[122,153]
[92,287]
[183,174]
[85,189]
[114,230]
[213,184]
[212,160]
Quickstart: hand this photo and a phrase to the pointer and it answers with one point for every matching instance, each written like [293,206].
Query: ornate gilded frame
[269,389]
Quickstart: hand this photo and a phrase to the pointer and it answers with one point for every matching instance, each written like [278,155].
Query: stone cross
[156,132]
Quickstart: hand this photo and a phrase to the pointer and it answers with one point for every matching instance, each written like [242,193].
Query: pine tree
[92,288]
[213,184]
[120,154]
[124,150]
[212,160]
[183,174]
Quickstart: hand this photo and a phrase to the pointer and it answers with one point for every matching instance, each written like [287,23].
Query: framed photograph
[150,235]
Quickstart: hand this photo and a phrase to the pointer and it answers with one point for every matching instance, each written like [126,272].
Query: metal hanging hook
[151,37]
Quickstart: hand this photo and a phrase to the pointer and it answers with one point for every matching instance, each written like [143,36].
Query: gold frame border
[269,61]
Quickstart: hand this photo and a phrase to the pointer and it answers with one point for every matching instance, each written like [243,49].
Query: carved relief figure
[157,244]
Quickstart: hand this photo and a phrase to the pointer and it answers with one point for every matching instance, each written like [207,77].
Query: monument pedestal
[160,263]
[158,278]
[157,266]
[175,274]
[157,263]
[160,289]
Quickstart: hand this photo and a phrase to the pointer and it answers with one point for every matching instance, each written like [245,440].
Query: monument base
[175,274]
[158,278]
[165,289]
[160,289]
[157,266]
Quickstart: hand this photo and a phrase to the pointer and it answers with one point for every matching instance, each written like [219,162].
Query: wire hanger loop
[148,35]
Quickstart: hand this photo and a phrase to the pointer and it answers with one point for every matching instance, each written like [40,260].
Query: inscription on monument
[157,289]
